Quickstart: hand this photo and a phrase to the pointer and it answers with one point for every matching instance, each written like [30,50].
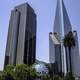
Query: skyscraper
[55,53]
[62,27]
[21,40]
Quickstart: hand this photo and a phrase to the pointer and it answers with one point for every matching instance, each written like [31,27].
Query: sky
[45,11]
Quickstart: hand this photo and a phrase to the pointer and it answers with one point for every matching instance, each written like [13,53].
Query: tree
[56,77]
[69,41]
[69,76]
[32,72]
[21,72]
[8,73]
[1,75]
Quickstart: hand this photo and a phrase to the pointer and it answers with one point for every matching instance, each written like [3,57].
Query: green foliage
[19,72]
[32,72]
[1,75]
[9,70]
[69,40]
[8,73]
[56,77]
[69,77]
[26,72]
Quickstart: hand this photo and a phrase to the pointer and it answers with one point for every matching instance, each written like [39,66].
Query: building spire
[57,21]
[62,26]
[62,23]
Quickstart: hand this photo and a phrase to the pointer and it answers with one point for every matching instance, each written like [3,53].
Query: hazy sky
[45,10]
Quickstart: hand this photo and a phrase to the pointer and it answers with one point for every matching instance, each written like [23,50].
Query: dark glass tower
[21,41]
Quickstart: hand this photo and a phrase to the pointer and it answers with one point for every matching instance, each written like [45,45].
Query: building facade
[55,53]
[21,40]
[62,27]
